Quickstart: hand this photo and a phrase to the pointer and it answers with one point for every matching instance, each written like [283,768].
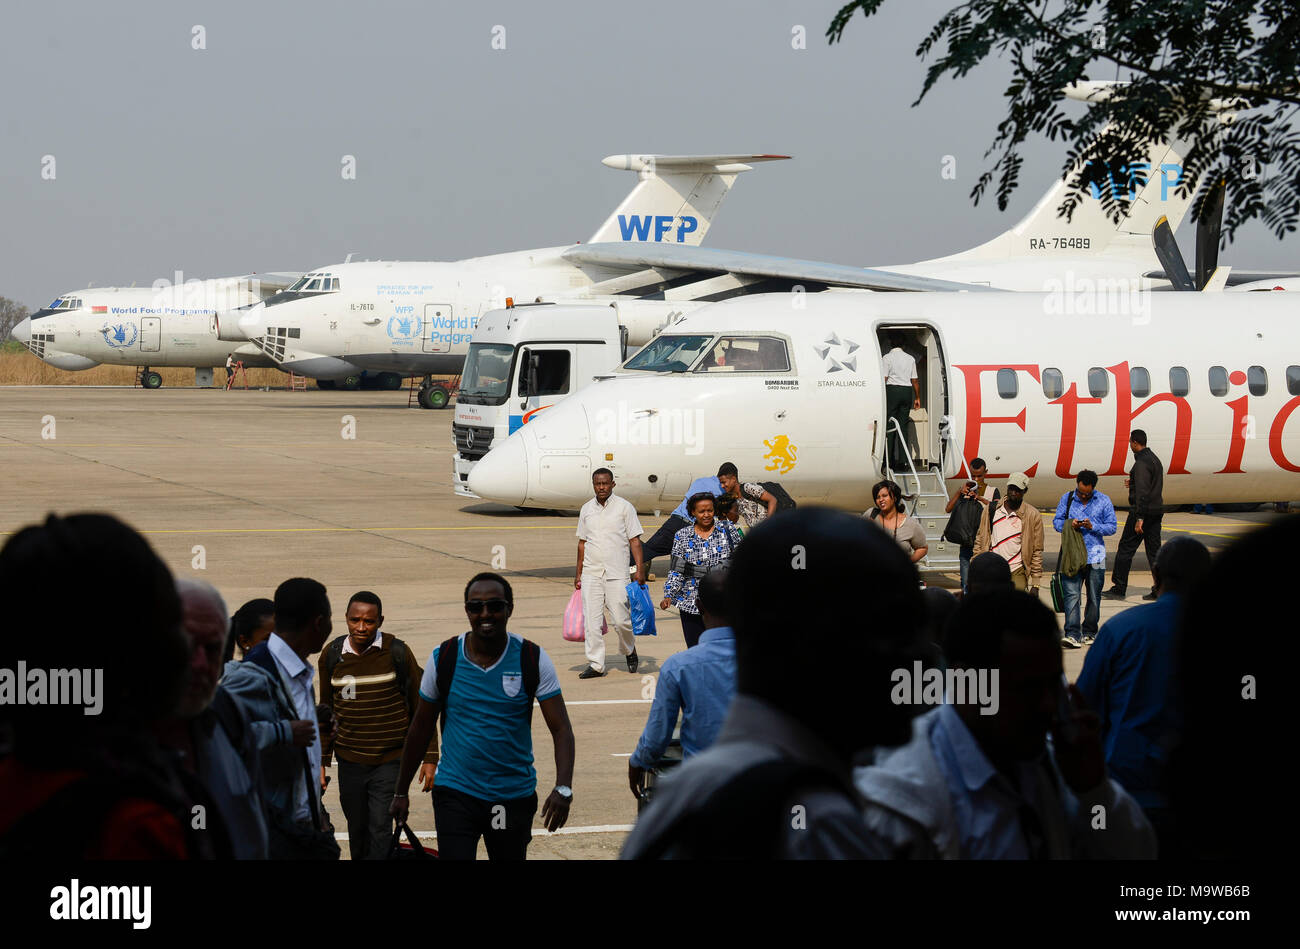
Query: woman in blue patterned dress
[698,549]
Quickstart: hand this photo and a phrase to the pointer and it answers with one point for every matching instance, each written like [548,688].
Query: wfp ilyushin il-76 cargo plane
[392,319]
[169,324]
[790,389]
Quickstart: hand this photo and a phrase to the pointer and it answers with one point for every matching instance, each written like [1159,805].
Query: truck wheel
[151,380]
[351,383]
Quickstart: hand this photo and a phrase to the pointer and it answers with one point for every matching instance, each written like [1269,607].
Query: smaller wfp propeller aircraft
[168,324]
[791,390]
[398,319]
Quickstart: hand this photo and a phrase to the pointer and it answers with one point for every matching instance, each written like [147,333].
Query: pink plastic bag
[574,622]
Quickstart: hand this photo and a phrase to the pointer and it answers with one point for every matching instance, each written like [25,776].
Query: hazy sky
[227,160]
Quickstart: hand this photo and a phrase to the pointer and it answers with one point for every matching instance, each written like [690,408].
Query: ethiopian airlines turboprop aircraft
[1045,384]
[401,319]
[164,325]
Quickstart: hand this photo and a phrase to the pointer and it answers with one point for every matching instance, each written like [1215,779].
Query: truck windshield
[486,377]
[668,354]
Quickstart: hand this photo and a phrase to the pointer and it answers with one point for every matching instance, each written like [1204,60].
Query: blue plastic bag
[643,610]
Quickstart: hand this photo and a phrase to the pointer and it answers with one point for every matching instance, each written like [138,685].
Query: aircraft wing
[684,261]
[271,283]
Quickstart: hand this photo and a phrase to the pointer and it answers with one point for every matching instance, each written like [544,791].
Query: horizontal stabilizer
[709,260]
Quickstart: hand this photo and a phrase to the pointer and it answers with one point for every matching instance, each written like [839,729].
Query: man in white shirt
[902,394]
[607,530]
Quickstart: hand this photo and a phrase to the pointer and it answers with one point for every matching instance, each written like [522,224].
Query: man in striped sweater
[372,682]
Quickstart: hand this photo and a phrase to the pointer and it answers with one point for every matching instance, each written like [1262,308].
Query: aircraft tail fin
[1150,182]
[676,197]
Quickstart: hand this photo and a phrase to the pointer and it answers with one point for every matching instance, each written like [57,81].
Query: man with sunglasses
[483,682]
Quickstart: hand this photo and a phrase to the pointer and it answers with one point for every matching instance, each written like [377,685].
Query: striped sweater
[371,714]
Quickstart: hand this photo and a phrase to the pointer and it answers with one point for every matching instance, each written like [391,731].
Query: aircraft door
[150,334]
[543,376]
[439,328]
[929,432]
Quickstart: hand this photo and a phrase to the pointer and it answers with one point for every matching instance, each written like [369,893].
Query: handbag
[1058,592]
[414,850]
[642,609]
[574,629]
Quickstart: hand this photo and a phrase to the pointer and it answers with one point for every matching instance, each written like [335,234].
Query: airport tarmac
[259,486]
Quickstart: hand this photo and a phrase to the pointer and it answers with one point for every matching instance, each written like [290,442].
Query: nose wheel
[150,379]
[433,395]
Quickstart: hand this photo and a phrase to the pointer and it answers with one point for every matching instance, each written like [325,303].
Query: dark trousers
[365,793]
[661,544]
[1129,542]
[692,627]
[898,407]
[461,819]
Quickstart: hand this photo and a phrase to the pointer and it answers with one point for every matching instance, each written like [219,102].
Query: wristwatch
[564,791]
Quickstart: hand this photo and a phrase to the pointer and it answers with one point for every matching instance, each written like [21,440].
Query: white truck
[525,358]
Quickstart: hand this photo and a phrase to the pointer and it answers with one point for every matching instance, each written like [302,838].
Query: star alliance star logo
[839,361]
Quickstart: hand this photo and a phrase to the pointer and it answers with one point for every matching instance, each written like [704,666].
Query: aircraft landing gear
[351,383]
[150,379]
[433,395]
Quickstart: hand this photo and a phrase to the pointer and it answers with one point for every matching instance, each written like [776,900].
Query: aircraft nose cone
[22,332]
[502,474]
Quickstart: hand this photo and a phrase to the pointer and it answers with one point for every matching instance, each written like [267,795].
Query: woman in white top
[889,515]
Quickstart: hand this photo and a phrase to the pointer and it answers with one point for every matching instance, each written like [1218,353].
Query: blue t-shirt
[487,747]
[711,485]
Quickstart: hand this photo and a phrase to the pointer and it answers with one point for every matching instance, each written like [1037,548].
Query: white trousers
[598,596]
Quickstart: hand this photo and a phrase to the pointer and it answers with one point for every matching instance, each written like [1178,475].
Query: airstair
[926,497]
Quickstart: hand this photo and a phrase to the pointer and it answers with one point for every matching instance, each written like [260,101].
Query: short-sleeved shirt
[712,485]
[607,530]
[900,368]
[910,535]
[487,744]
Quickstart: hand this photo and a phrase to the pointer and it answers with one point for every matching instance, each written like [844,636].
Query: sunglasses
[477,606]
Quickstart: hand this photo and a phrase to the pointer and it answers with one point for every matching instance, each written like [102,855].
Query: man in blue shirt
[485,785]
[698,682]
[661,544]
[1090,512]
[1129,679]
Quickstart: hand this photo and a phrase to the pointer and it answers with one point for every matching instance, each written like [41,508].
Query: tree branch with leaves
[1222,76]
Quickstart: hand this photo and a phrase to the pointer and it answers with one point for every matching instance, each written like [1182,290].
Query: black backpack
[401,664]
[783,501]
[964,523]
[449,652]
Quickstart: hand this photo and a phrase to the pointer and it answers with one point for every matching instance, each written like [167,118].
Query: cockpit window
[65,303]
[668,354]
[314,283]
[746,354]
